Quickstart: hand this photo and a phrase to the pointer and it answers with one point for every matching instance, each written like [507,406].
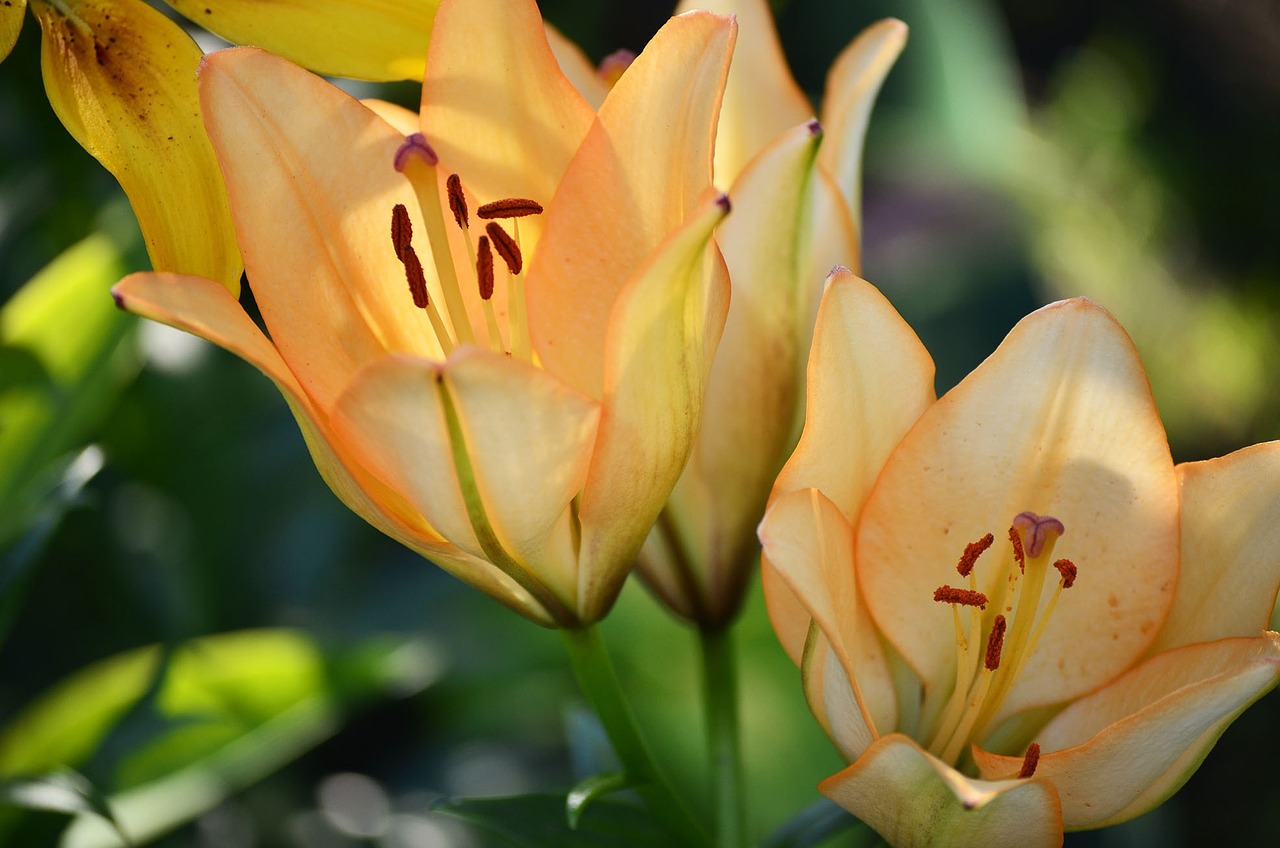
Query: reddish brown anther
[457,201]
[413,273]
[505,246]
[1067,569]
[964,597]
[995,643]
[1015,539]
[511,207]
[401,230]
[1030,761]
[484,268]
[972,551]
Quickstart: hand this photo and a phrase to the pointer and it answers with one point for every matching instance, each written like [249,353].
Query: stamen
[1038,529]
[1067,569]
[417,161]
[964,597]
[484,268]
[413,273]
[1015,539]
[995,644]
[1030,761]
[972,551]
[511,207]
[506,247]
[401,230]
[457,201]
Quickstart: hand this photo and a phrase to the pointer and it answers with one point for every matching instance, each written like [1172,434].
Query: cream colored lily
[520,408]
[1013,613]
[796,193]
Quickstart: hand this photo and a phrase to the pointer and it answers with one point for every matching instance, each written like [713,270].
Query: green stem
[720,679]
[599,682]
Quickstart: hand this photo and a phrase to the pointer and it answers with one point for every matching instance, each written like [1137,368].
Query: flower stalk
[724,741]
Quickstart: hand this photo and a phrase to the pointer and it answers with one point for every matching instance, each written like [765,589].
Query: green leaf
[206,719]
[816,825]
[538,821]
[63,791]
[596,786]
[65,356]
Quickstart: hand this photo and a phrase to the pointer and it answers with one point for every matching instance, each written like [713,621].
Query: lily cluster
[522,334]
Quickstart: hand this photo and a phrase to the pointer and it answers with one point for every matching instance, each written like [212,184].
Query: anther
[1015,539]
[972,551]
[1037,529]
[457,201]
[1067,569]
[484,268]
[511,207]
[1030,761]
[415,147]
[413,273]
[995,644]
[505,246]
[964,597]
[401,230]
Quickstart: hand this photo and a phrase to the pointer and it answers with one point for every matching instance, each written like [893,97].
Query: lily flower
[495,332]
[1013,613]
[796,189]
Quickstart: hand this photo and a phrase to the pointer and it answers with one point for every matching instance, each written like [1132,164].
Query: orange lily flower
[796,190]
[1013,613]
[519,410]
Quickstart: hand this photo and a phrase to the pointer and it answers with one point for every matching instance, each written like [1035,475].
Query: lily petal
[755,381]
[790,618]
[1230,535]
[914,800]
[639,174]
[810,545]
[11,16]
[121,77]
[1120,751]
[870,379]
[852,85]
[404,120]
[361,39]
[761,99]
[662,337]
[529,438]
[400,416]
[306,161]
[206,309]
[1060,421]
[577,67]
[496,107]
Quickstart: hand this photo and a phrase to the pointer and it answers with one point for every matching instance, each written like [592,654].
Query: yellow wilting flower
[796,191]
[519,410]
[1013,613]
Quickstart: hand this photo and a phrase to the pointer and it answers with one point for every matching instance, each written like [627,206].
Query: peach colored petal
[577,67]
[310,175]
[638,175]
[1120,751]
[914,800]
[1230,535]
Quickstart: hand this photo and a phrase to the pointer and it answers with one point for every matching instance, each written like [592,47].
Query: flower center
[418,162]
[987,666]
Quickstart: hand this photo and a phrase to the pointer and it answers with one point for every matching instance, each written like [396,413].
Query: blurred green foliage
[1021,152]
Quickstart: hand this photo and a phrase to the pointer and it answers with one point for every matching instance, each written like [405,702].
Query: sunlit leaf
[122,79]
[227,710]
[362,39]
[63,791]
[65,355]
[587,791]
